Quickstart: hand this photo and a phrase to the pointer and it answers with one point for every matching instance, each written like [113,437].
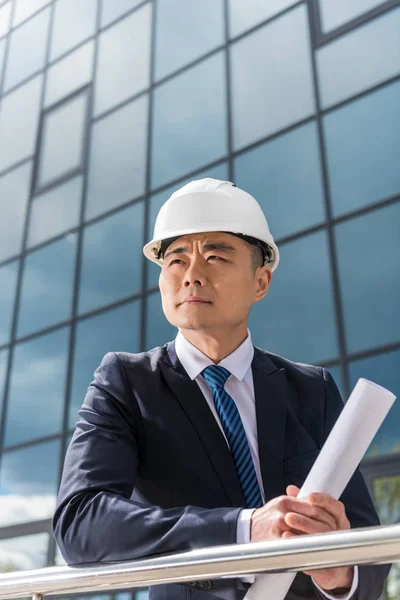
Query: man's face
[207,281]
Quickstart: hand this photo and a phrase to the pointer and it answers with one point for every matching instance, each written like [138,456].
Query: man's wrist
[342,593]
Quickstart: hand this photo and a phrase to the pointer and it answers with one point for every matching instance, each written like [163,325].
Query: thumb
[292,490]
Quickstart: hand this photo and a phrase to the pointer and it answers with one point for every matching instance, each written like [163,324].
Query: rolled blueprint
[341,454]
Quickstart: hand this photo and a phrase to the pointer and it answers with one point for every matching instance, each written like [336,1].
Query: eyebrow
[211,246]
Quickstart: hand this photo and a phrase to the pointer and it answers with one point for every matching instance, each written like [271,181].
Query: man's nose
[194,274]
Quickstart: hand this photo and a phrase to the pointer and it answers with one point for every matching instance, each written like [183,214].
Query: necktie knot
[215,376]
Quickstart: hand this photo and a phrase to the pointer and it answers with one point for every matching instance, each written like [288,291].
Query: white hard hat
[211,205]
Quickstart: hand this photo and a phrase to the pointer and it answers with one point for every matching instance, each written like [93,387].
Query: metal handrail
[370,545]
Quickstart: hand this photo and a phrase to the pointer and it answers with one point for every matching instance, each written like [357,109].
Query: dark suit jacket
[148,470]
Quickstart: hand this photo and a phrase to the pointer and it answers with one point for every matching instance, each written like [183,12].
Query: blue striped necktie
[235,434]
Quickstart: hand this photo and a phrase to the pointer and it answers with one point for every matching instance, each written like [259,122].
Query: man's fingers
[292,490]
[306,524]
[303,507]
[332,506]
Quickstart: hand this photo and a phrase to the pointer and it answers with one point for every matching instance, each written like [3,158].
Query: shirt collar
[194,361]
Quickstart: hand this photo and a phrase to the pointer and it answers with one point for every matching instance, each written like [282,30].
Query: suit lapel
[270,396]
[192,401]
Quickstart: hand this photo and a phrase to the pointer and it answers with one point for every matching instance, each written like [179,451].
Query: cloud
[24,509]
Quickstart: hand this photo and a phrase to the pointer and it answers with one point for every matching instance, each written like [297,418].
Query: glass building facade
[106,107]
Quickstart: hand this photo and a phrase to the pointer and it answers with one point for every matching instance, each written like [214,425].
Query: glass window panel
[58,559]
[55,211]
[363,148]
[342,63]
[23,60]
[383,369]
[244,14]
[123,48]
[117,167]
[42,361]
[142,595]
[28,483]
[112,9]
[5,14]
[8,287]
[296,319]
[159,331]
[2,50]
[334,14]
[19,119]
[112,258]
[189,128]
[386,493]
[266,97]
[116,330]
[158,199]
[285,177]
[184,21]
[24,553]
[69,74]
[3,373]
[47,286]
[74,21]
[14,194]
[369,266]
[62,140]
[26,8]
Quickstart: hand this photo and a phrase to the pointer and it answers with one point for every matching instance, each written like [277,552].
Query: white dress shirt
[240,387]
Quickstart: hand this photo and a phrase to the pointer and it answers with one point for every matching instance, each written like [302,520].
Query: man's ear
[264,278]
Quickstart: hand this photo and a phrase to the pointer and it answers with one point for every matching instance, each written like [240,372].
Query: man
[206,440]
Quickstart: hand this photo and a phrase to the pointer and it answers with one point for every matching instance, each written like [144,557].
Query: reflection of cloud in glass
[26,8]
[24,552]
[369,265]
[55,211]
[384,370]
[296,318]
[14,191]
[117,165]
[247,13]
[116,330]
[20,63]
[8,285]
[69,74]
[123,48]
[3,368]
[19,119]
[272,84]
[184,21]
[30,471]
[112,258]
[284,175]
[24,509]
[112,9]
[189,125]
[43,363]
[47,286]
[74,21]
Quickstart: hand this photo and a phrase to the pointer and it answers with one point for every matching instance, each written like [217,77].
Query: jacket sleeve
[359,506]
[95,519]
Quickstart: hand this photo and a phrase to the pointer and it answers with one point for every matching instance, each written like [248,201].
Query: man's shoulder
[147,360]
[291,366]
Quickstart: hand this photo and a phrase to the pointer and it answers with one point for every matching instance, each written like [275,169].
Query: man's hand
[289,516]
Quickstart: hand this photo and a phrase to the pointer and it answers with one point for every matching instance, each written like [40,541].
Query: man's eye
[217,257]
[175,260]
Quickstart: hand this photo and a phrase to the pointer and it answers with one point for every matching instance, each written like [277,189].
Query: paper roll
[340,456]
